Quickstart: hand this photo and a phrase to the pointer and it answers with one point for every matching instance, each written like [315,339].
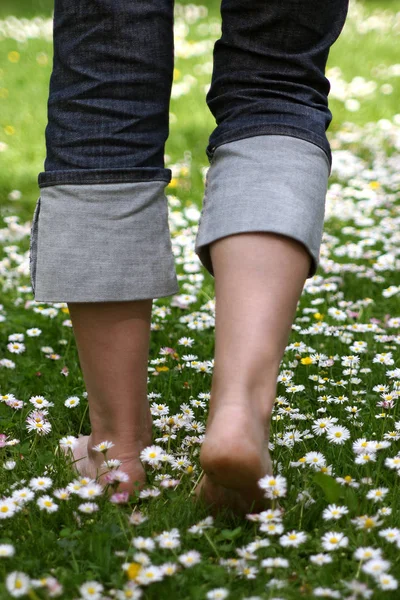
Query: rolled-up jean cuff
[102,242]
[270,183]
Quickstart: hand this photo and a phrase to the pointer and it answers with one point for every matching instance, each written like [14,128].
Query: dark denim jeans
[108,111]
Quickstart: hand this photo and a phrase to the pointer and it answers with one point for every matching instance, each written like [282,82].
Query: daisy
[321,426]
[40,402]
[7,550]
[142,543]
[326,593]
[338,434]
[169,568]
[362,445]
[39,426]
[72,401]
[9,465]
[62,493]
[316,459]
[386,582]
[18,583]
[111,463]
[88,507]
[46,503]
[189,559]
[363,459]
[378,494]
[91,590]
[22,495]
[367,553]
[16,347]
[366,522]
[275,562]
[8,507]
[91,490]
[149,574]
[40,483]
[103,446]
[69,441]
[272,528]
[152,455]
[136,518]
[320,559]
[333,540]
[293,539]
[33,332]
[390,534]
[149,493]
[376,566]
[334,512]
[217,594]
[274,486]
[393,463]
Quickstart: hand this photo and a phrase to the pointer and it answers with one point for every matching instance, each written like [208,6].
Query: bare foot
[234,456]
[88,464]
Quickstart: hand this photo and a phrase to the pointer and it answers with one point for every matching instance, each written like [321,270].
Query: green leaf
[331,488]
[231,534]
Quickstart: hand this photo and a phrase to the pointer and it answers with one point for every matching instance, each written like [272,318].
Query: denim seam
[270,129]
[97,182]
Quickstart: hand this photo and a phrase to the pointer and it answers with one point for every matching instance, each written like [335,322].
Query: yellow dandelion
[133,570]
[9,130]
[14,56]
[307,360]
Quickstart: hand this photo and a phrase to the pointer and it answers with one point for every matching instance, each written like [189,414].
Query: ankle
[258,401]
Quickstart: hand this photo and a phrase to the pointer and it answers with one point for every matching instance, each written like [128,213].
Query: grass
[361,228]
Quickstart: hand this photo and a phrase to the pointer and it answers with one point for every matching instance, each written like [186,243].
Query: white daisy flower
[103,446]
[334,512]
[189,559]
[40,483]
[149,574]
[217,594]
[7,550]
[367,553]
[376,566]
[293,539]
[88,507]
[72,401]
[18,583]
[8,507]
[47,503]
[320,559]
[378,494]
[333,540]
[386,582]
[91,590]
[338,434]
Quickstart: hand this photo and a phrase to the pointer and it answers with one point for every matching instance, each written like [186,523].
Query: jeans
[100,227]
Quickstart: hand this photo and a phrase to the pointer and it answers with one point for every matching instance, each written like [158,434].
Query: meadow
[335,427]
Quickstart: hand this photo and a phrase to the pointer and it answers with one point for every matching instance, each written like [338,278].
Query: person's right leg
[262,220]
[100,237]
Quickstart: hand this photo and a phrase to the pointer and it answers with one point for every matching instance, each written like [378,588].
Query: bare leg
[259,278]
[113,345]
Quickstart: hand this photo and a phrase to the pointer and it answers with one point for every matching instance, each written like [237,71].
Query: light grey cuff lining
[102,242]
[270,183]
